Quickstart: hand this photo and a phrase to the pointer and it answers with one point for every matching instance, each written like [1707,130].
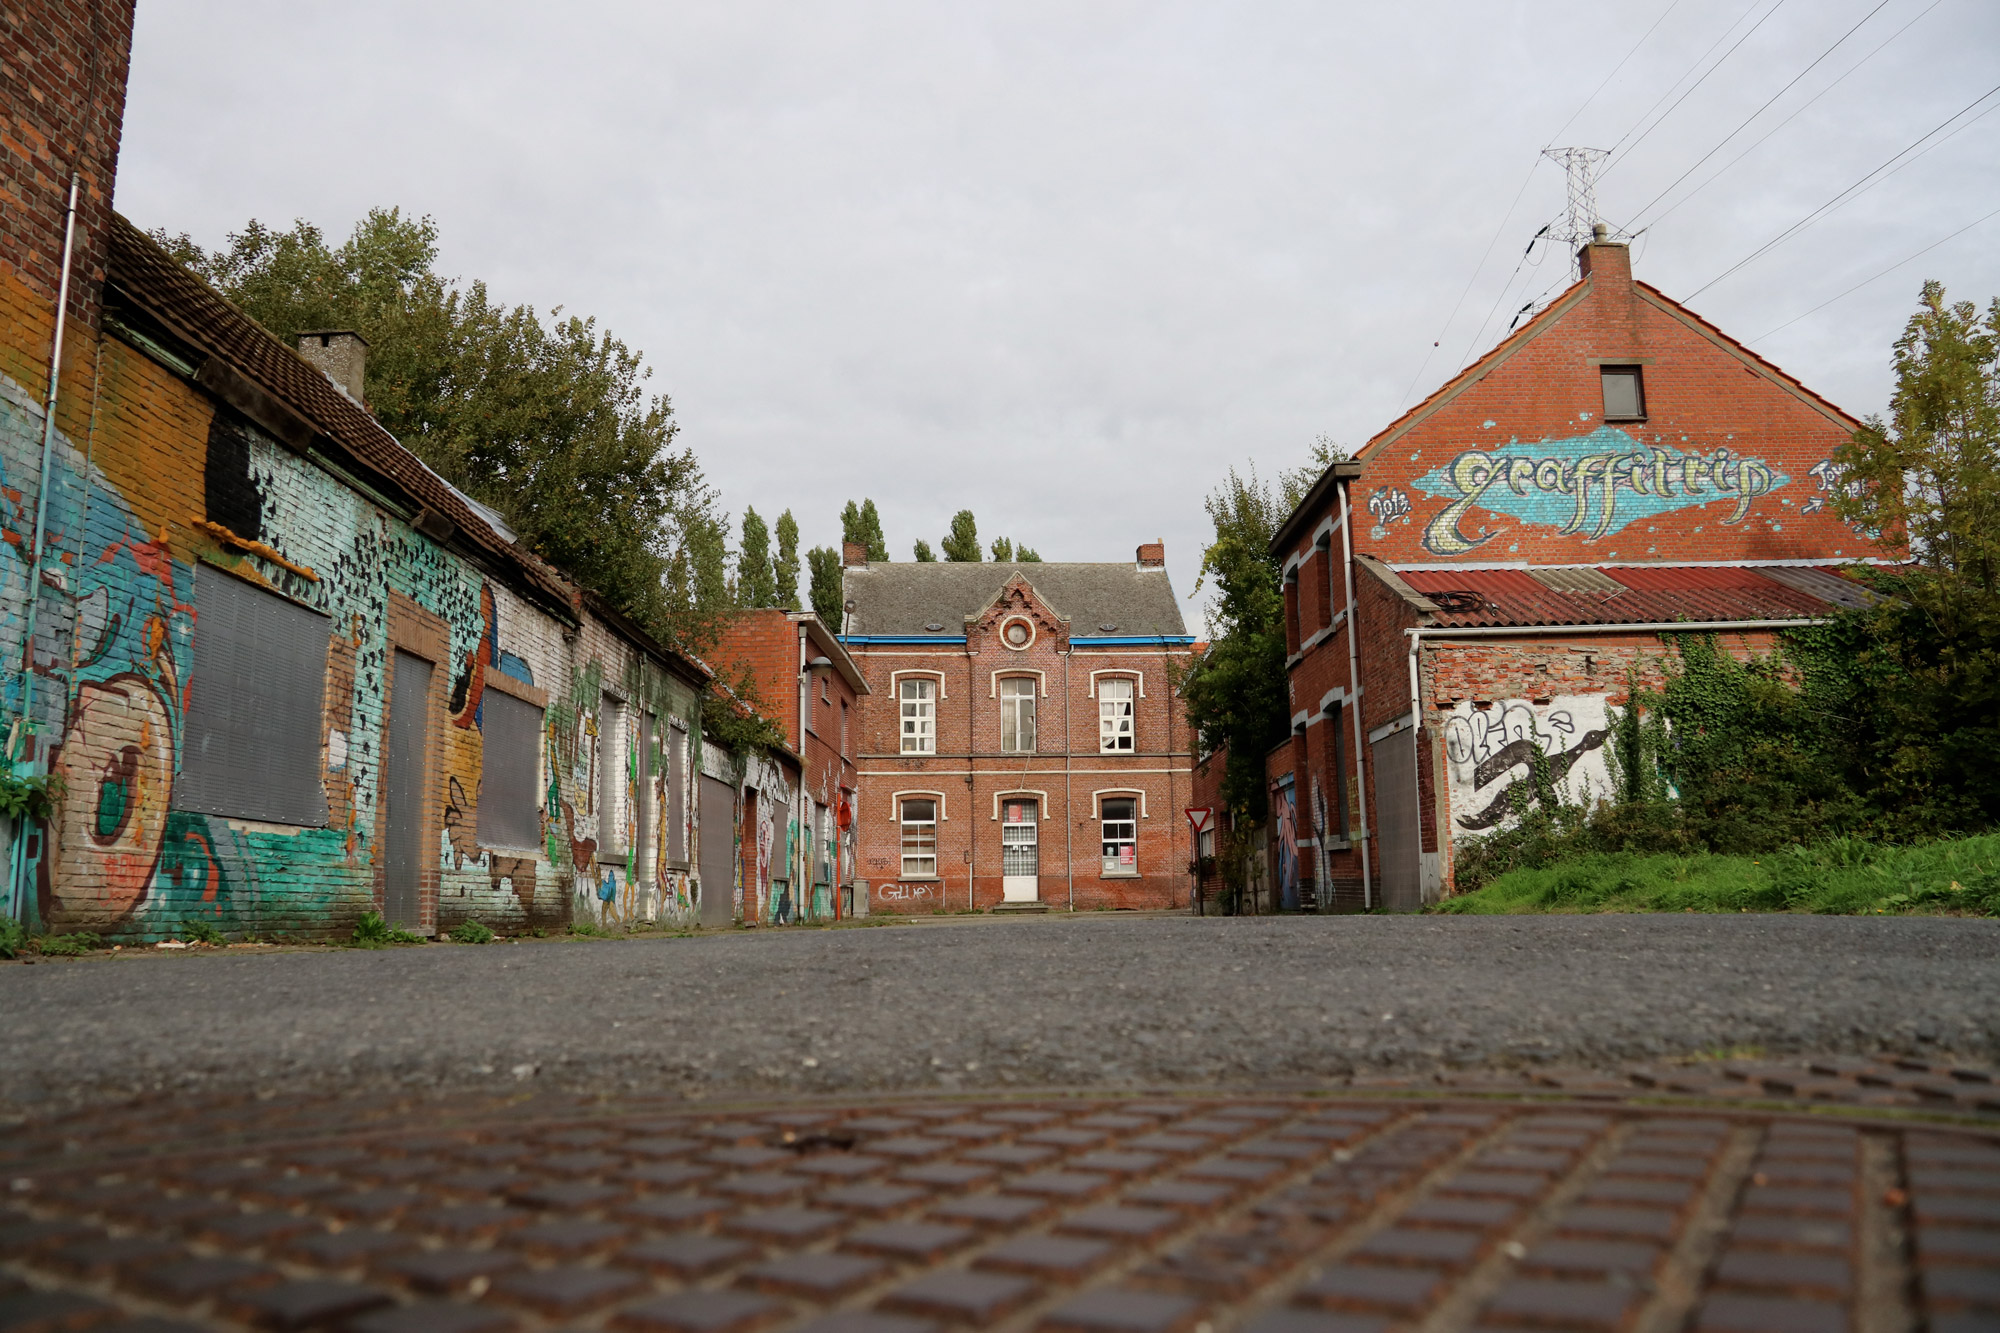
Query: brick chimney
[341,355]
[1153,555]
[854,555]
[1610,259]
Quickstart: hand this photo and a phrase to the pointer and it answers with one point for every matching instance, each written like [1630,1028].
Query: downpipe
[26,728]
[1353,693]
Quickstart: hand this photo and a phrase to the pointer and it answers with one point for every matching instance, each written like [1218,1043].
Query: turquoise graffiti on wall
[1588,485]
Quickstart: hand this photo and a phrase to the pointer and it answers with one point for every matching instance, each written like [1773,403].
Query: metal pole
[1354,693]
[1069,810]
[42,485]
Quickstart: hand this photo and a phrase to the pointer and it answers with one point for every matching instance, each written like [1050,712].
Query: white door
[1020,857]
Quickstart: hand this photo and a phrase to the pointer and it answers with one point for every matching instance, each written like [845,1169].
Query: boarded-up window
[676,813]
[509,789]
[251,745]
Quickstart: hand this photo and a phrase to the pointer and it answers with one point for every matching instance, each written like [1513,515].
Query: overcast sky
[1062,264]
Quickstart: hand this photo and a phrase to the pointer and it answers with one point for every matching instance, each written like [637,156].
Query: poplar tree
[961,544]
[785,567]
[828,600]
[755,583]
[923,553]
[862,525]
[1003,550]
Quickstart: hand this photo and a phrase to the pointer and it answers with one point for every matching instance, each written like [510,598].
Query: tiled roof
[1099,599]
[196,313]
[1632,595]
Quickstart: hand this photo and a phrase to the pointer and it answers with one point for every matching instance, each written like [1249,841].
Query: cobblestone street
[1813,1195]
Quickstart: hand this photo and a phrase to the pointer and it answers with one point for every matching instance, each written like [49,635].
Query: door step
[1020,907]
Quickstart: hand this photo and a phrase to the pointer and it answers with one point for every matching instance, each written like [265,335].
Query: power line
[1703,79]
[1614,72]
[1501,295]
[1883,274]
[1690,69]
[1817,213]
[1508,216]
[1760,110]
[1477,269]
[1765,137]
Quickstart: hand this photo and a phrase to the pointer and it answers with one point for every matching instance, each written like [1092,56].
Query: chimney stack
[342,356]
[1612,260]
[854,555]
[1153,555]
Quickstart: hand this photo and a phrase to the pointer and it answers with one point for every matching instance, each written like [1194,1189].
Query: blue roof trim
[938,640]
[1081,641]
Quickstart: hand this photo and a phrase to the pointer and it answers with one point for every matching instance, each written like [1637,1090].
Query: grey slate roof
[908,598]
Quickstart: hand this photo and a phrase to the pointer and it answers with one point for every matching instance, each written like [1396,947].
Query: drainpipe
[1354,689]
[1417,751]
[971,796]
[1069,811]
[42,485]
[17,871]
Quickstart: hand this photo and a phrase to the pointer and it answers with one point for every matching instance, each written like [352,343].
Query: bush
[1840,876]
[68,946]
[471,932]
[13,937]
[198,931]
[375,933]
[589,930]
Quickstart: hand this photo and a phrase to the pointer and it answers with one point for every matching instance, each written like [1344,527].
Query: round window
[1019,634]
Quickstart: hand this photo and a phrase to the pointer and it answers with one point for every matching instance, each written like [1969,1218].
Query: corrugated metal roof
[1643,595]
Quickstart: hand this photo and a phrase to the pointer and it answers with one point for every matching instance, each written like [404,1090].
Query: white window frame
[1017,707]
[1109,733]
[916,712]
[1109,867]
[904,825]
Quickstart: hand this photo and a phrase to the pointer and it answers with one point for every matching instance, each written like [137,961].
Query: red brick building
[808,684]
[1022,743]
[1478,582]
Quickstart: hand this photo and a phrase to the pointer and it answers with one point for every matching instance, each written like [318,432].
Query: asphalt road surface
[1075,1002]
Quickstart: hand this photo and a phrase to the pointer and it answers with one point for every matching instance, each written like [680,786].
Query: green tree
[548,421]
[1235,692]
[756,584]
[923,553]
[1926,482]
[862,525]
[697,581]
[785,565]
[1003,550]
[962,543]
[828,599]
[1027,556]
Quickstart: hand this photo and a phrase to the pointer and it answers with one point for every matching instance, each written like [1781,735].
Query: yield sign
[1201,817]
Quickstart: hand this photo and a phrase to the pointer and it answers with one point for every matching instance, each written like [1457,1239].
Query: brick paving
[1734,1196]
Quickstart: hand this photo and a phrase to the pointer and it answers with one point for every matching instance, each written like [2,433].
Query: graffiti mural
[1285,814]
[1588,485]
[1492,753]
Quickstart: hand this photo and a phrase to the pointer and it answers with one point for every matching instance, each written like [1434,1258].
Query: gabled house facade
[1482,581]
[1022,745]
[811,688]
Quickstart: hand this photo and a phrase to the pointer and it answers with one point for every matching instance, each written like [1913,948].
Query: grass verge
[1844,876]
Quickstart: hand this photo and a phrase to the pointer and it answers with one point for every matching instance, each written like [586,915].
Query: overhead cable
[1883,274]
[1765,136]
[1690,69]
[1840,198]
[1760,110]
[1696,84]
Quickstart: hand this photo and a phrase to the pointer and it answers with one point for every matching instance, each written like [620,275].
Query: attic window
[1624,393]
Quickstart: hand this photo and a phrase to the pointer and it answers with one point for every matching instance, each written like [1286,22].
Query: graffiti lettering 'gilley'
[1591,484]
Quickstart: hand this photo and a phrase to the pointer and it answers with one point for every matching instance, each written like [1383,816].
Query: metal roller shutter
[510,804]
[251,744]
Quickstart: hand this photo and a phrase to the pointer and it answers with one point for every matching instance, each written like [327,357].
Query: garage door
[718,852]
[1395,758]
